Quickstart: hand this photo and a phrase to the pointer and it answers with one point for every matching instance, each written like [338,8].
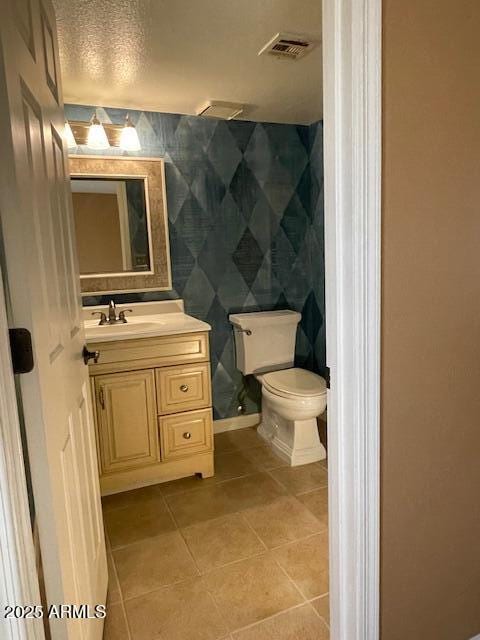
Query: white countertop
[149,319]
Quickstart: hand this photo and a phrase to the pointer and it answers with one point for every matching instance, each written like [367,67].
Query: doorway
[352,463]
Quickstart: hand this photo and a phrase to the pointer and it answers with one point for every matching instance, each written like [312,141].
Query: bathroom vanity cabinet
[152,409]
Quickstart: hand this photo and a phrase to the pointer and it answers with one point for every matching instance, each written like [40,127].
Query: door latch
[327,376]
[22,350]
[90,355]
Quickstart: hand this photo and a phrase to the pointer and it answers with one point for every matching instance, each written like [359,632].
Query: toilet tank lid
[264,318]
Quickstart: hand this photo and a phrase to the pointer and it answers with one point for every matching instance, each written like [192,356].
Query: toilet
[292,398]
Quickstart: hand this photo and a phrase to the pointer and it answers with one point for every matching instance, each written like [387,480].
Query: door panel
[24,23]
[62,202]
[42,274]
[43,234]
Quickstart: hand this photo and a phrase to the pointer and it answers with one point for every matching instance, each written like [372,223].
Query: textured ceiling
[174,55]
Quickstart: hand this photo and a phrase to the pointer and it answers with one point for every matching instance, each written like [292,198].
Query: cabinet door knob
[184,388]
[187,435]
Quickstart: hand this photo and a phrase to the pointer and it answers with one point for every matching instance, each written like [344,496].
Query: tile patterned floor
[241,556]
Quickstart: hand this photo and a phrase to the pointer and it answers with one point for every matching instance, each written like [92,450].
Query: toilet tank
[265,340]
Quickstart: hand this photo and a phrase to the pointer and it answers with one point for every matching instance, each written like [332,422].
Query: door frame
[352,40]
[352,160]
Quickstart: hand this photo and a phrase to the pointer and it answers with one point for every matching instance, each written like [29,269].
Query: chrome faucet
[112,315]
[112,312]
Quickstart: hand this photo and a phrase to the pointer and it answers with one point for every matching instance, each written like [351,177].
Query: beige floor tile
[306,562]
[136,497]
[180,612]
[233,465]
[300,479]
[198,506]
[317,502]
[264,458]
[151,564]
[138,522]
[322,605]
[223,499]
[113,592]
[218,542]
[223,443]
[250,590]
[115,624]
[301,623]
[186,484]
[282,521]
[237,440]
[252,491]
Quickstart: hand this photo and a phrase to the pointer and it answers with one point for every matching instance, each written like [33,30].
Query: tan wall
[97,232]
[430,575]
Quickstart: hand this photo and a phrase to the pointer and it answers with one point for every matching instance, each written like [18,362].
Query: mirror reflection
[111,225]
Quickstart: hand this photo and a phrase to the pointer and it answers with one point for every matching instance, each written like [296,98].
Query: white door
[42,274]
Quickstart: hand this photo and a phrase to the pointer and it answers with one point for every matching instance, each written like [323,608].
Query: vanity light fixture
[97,138]
[129,137]
[69,137]
[99,135]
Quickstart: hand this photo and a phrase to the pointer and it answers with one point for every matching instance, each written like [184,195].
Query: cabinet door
[127,423]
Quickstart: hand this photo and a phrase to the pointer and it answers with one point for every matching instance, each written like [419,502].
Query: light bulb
[129,137]
[69,137]
[97,138]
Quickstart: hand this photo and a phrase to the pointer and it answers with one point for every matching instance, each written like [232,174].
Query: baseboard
[237,422]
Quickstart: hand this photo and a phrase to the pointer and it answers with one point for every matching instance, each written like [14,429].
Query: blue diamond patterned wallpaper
[245,208]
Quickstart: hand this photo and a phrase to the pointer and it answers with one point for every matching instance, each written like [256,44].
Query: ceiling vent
[289,45]
[219,109]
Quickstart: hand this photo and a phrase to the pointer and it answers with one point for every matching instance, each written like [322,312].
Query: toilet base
[295,441]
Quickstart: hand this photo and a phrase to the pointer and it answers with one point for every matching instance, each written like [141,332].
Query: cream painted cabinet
[127,420]
[153,410]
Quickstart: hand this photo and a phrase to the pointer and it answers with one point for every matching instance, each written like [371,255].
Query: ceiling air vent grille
[289,45]
[220,109]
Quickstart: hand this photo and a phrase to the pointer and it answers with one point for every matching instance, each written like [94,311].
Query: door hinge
[327,376]
[21,350]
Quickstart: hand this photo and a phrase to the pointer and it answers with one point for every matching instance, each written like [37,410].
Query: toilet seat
[294,383]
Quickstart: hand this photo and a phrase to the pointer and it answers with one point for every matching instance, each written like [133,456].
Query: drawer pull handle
[101,397]
[187,435]
[184,388]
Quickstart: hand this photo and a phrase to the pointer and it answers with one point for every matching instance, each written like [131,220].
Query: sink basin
[95,331]
[143,326]
[127,326]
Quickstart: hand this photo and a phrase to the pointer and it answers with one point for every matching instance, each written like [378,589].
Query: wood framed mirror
[121,224]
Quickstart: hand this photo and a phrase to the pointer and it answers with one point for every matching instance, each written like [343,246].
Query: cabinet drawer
[145,353]
[183,388]
[184,434]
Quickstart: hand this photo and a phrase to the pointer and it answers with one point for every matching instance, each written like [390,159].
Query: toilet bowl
[291,401]
[292,398]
